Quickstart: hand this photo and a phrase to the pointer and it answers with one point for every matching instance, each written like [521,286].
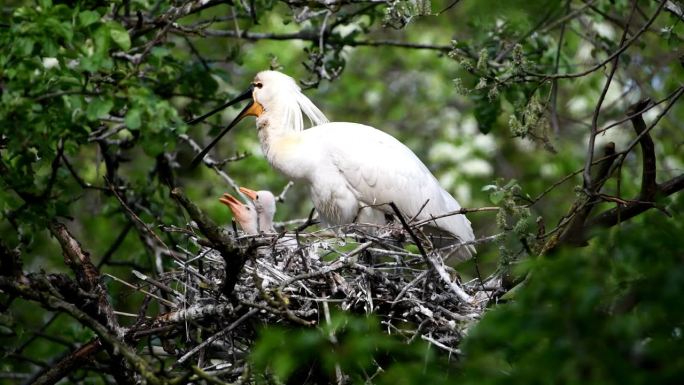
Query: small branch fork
[575,227]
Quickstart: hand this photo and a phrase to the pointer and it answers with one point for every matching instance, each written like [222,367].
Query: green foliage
[361,351]
[400,12]
[600,315]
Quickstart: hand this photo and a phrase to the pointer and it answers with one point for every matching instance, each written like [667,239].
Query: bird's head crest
[278,92]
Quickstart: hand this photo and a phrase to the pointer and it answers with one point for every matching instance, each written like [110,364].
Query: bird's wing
[380,169]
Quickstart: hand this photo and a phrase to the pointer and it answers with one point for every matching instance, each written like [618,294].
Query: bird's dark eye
[257,197]
[258,85]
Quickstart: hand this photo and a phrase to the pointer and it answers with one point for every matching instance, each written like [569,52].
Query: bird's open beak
[235,206]
[251,194]
[251,109]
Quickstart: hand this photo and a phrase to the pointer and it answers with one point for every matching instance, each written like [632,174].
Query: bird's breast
[288,154]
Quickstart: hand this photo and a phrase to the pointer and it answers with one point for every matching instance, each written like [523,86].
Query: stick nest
[295,279]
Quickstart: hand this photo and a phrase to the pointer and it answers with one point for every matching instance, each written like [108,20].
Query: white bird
[265,204]
[245,215]
[353,171]
[254,220]
[257,216]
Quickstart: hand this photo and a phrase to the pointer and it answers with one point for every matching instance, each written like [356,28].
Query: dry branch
[233,258]
[635,207]
[87,275]
[71,362]
[648,173]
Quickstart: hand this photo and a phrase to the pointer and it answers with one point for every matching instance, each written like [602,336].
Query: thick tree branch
[233,257]
[43,292]
[87,275]
[575,231]
[633,208]
[648,174]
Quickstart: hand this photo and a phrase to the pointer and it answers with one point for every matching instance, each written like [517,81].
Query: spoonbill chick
[353,171]
[265,204]
[245,215]
[248,217]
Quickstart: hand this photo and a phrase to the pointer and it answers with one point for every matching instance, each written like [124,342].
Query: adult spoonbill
[353,171]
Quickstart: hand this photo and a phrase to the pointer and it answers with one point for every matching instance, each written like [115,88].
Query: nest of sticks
[295,278]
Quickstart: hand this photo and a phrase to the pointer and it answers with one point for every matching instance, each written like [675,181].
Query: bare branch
[87,275]
[610,57]
[594,120]
[72,361]
[52,301]
[222,242]
[648,173]
[622,213]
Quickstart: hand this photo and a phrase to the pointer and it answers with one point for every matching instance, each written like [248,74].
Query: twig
[216,336]
[438,266]
[594,121]
[455,212]
[137,288]
[281,197]
[134,217]
[610,57]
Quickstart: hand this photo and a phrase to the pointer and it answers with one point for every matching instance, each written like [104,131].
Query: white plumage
[265,204]
[349,166]
[353,171]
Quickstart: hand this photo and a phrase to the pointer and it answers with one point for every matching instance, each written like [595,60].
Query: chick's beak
[251,194]
[236,207]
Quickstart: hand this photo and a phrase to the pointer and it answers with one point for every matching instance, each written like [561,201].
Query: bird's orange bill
[233,203]
[254,109]
[251,194]
[251,109]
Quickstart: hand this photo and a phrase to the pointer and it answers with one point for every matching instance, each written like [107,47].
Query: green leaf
[497,196]
[87,18]
[133,118]
[102,41]
[99,107]
[120,36]
[23,46]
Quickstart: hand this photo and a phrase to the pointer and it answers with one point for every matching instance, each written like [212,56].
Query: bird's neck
[270,125]
[266,224]
[249,228]
[280,144]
